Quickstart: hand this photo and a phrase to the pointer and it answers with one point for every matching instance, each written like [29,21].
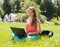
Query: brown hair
[34,15]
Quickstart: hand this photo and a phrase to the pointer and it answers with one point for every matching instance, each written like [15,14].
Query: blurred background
[15,10]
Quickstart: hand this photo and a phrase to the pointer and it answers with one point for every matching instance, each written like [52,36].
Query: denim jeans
[15,37]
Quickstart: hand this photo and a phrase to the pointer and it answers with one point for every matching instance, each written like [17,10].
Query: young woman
[33,27]
[33,22]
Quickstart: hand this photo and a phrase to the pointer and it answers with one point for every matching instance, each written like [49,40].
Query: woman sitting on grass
[33,28]
[32,25]
[33,22]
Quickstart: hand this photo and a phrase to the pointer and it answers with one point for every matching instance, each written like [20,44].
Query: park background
[48,12]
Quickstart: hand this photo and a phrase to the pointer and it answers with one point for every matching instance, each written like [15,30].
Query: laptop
[20,32]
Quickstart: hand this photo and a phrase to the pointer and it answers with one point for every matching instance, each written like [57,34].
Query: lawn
[43,41]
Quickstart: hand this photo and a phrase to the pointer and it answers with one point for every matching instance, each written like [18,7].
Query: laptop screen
[20,32]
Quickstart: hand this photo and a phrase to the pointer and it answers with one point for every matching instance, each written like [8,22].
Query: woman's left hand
[31,33]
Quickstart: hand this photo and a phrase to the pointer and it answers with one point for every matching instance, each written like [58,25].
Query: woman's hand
[31,33]
[38,32]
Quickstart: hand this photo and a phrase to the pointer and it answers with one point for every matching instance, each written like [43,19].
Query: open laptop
[20,32]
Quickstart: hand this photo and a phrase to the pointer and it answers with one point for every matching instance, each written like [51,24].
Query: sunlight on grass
[42,41]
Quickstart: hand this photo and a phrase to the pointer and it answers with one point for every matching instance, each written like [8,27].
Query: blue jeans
[33,37]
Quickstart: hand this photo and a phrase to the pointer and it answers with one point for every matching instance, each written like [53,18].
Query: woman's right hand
[30,33]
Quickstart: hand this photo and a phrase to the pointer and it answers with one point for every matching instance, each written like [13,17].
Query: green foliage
[22,5]
[48,6]
[1,10]
[12,1]
[38,1]
[42,18]
[6,6]
[27,3]
[55,21]
[15,6]
[22,16]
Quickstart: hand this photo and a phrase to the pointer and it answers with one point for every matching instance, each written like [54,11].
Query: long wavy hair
[34,15]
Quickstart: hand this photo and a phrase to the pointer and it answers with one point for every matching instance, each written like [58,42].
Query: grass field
[44,41]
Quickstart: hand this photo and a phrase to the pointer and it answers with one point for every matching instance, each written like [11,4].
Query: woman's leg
[15,37]
[47,33]
[33,37]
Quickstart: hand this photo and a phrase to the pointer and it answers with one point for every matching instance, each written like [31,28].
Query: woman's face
[30,12]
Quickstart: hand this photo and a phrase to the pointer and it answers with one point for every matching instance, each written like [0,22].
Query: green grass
[44,41]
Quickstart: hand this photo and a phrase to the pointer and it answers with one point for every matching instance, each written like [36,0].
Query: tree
[16,6]
[38,1]
[47,7]
[29,3]
[58,9]
[6,6]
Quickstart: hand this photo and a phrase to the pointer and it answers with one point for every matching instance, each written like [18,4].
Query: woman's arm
[26,25]
[38,26]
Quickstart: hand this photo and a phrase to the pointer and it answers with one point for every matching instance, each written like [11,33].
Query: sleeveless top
[30,28]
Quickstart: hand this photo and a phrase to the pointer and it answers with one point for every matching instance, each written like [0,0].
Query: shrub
[22,17]
[55,21]
[42,18]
